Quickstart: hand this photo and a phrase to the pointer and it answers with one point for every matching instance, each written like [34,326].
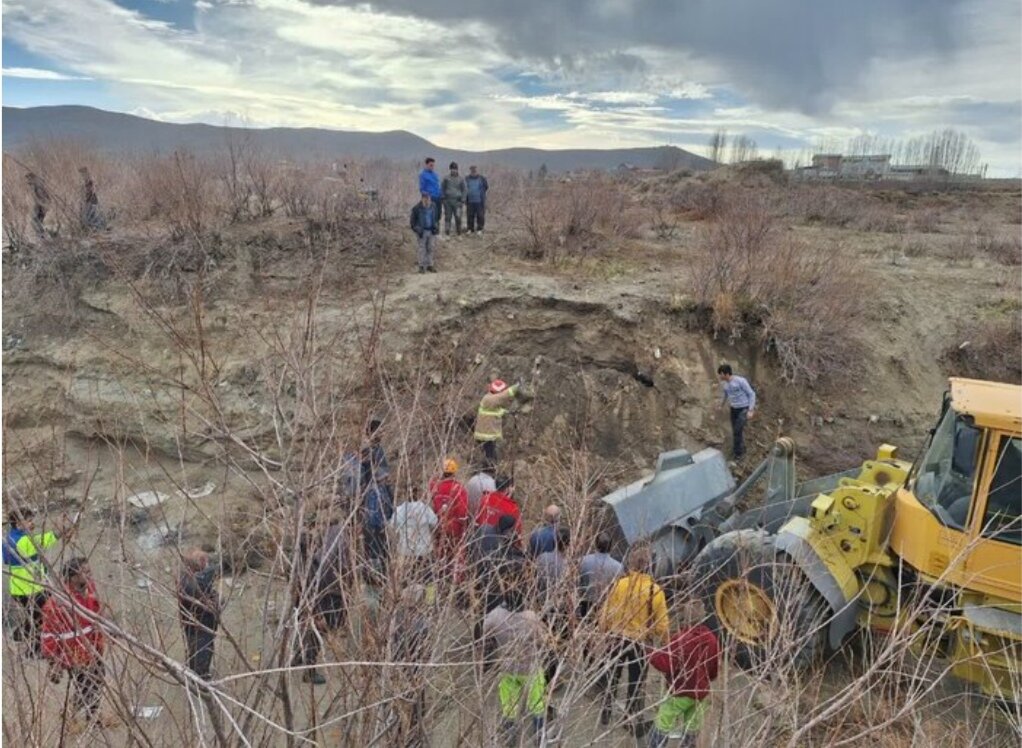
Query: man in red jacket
[72,641]
[689,663]
[498,503]
[450,504]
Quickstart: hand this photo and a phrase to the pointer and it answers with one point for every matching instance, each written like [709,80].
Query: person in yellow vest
[489,419]
[26,572]
[634,616]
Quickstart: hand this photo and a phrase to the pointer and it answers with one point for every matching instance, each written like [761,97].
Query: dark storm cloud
[782,53]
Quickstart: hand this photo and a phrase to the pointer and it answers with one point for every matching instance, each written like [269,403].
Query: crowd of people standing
[443,200]
[531,595]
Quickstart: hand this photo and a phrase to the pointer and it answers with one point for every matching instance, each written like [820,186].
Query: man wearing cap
[450,504]
[453,189]
[490,417]
[26,571]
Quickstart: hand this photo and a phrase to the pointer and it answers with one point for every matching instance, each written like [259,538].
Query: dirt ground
[609,342]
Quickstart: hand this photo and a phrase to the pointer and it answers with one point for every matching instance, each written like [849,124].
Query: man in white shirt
[413,525]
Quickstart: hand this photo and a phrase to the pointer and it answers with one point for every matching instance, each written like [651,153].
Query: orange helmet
[450,466]
[497,386]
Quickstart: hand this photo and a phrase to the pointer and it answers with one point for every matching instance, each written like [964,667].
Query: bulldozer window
[1003,519]
[948,470]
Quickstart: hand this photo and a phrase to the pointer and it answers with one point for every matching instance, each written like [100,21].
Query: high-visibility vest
[21,557]
[491,413]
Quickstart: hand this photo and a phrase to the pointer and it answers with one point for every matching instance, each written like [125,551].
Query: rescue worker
[73,642]
[426,226]
[544,538]
[739,396]
[450,504]
[689,664]
[497,503]
[475,200]
[490,417]
[199,609]
[633,616]
[453,189]
[429,183]
[27,573]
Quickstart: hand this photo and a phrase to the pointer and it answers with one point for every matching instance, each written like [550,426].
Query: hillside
[113,131]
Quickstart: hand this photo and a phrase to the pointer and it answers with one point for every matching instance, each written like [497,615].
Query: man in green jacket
[453,188]
[26,572]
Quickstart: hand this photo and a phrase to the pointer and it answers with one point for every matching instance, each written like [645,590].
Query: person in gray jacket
[597,572]
[453,188]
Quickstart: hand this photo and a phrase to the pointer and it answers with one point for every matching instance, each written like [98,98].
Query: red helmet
[497,385]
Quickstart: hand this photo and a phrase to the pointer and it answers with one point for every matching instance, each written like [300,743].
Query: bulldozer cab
[960,513]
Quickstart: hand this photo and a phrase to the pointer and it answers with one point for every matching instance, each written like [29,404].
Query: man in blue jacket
[475,199]
[429,183]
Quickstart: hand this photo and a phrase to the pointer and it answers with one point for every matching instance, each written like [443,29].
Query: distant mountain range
[127,133]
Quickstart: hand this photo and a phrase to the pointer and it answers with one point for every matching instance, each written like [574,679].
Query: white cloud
[42,75]
[291,62]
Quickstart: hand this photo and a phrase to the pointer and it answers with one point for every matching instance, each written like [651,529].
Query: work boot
[656,739]
[509,732]
[313,676]
[639,728]
[421,269]
[430,269]
[538,723]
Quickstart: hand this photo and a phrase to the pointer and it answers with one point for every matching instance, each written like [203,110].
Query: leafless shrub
[295,193]
[1004,250]
[987,349]
[179,190]
[801,302]
[927,220]
[664,221]
[572,218]
[699,199]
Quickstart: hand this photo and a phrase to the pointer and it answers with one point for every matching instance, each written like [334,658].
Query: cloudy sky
[478,74]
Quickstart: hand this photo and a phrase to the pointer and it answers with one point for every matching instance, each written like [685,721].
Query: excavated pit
[623,382]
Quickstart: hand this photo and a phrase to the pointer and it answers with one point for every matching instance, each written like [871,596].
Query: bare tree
[718,145]
[743,148]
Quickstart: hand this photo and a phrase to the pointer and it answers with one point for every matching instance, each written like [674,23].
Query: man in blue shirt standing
[544,538]
[429,183]
[741,398]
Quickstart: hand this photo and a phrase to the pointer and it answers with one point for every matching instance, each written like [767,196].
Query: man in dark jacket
[319,601]
[475,199]
[426,225]
[453,188]
[429,183]
[199,607]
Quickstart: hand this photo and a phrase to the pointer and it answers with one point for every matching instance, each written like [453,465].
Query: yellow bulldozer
[930,551]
